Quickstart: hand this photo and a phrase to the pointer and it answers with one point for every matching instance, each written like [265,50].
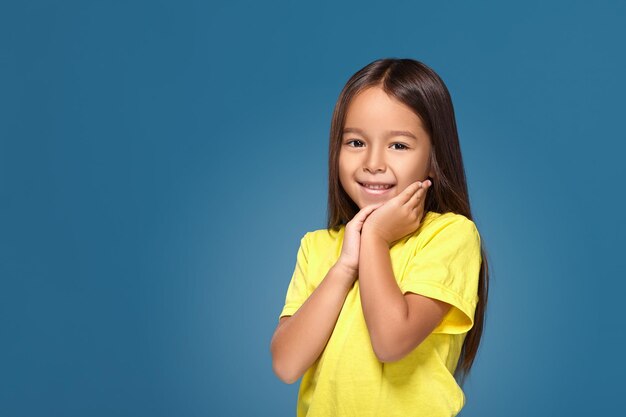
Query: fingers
[419,193]
[366,211]
[406,194]
[411,190]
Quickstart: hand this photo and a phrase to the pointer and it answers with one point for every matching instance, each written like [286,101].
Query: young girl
[387,300]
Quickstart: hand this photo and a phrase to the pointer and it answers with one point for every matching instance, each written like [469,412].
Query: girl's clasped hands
[389,221]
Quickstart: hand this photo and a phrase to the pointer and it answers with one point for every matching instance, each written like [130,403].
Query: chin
[363,201]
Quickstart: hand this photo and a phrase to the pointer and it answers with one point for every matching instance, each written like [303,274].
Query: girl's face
[383,142]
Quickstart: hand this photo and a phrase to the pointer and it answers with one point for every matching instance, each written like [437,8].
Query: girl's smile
[373,188]
[384,148]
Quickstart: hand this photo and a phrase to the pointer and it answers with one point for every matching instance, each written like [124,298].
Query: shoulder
[323,238]
[451,225]
[328,234]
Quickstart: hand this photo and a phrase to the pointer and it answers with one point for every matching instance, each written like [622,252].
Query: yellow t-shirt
[441,260]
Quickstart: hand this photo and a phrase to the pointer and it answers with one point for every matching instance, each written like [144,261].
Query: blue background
[160,161]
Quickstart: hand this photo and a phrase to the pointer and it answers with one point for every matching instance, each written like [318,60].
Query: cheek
[415,175]
[344,182]
[408,175]
[342,175]
[344,171]
[406,181]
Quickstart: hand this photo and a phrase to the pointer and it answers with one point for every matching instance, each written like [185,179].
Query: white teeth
[377,187]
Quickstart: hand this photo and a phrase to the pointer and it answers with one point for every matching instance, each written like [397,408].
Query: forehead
[374,110]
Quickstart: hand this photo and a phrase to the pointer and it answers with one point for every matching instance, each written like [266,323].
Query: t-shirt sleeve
[297,292]
[447,268]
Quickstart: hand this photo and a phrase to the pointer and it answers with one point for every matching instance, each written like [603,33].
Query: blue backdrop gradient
[160,161]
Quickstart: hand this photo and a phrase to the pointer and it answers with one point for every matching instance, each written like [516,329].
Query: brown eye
[353,140]
[401,144]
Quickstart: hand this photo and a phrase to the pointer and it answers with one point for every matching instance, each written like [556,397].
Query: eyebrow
[390,133]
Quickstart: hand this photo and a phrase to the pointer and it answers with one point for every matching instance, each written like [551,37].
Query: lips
[376,184]
[382,188]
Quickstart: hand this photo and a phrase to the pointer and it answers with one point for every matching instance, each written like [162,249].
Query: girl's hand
[349,257]
[400,215]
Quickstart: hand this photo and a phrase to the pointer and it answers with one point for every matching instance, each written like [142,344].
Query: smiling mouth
[376,186]
[376,189]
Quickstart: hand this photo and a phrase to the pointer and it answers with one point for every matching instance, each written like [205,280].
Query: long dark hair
[420,88]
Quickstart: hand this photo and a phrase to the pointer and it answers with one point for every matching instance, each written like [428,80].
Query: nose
[374,161]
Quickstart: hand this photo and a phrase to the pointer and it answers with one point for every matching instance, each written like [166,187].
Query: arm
[397,323]
[299,339]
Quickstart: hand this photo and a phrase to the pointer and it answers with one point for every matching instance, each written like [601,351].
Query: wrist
[346,272]
[370,234]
